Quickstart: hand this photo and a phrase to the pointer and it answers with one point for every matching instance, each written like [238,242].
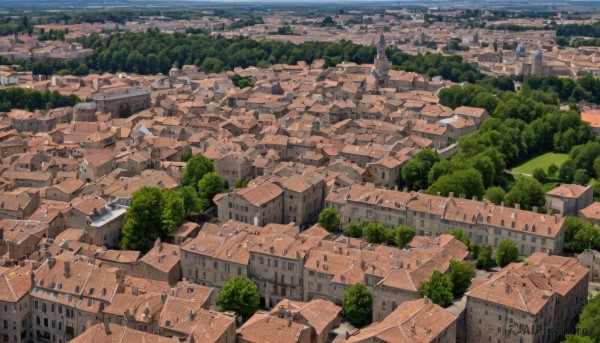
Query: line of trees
[153,52]
[31,99]
[587,30]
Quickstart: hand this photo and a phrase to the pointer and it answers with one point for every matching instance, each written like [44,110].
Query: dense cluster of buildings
[69,291]
[306,137]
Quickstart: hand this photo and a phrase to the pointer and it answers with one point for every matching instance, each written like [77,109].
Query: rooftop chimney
[106,326]
[158,244]
[67,269]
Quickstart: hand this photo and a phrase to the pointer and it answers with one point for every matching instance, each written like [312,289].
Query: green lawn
[540,161]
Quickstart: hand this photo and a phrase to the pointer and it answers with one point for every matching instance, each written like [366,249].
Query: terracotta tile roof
[413,321]
[264,328]
[592,211]
[568,191]
[529,287]
[259,195]
[163,257]
[117,333]
[470,111]
[318,313]
[15,283]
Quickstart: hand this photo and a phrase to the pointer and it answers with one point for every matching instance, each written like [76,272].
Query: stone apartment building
[178,312]
[591,212]
[160,263]
[279,330]
[275,265]
[545,292]
[255,204]
[19,204]
[286,264]
[591,259]
[415,321]
[101,221]
[569,199]
[68,295]
[123,103]
[408,271]
[29,179]
[212,259]
[430,215]
[386,172]
[320,315]
[19,238]
[64,191]
[95,166]
[282,200]
[15,304]
[303,197]
[393,275]
[233,167]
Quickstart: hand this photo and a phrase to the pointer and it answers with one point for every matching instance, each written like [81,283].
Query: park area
[540,161]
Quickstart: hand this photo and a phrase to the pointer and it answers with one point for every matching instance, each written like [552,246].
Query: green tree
[438,289]
[484,259]
[507,253]
[597,165]
[475,248]
[210,185]
[581,177]
[185,156]
[589,319]
[539,174]
[354,229]
[495,194]
[527,192]
[375,233]
[358,305]
[588,237]
[195,169]
[191,202]
[552,170]
[329,220]
[240,295]
[566,172]
[173,210]
[468,182]
[577,339]
[143,222]
[460,274]
[241,183]
[415,172]
[461,236]
[572,225]
[402,235]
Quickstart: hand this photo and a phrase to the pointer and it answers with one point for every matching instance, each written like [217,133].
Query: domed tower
[536,63]
[520,55]
[521,52]
[174,72]
[382,65]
